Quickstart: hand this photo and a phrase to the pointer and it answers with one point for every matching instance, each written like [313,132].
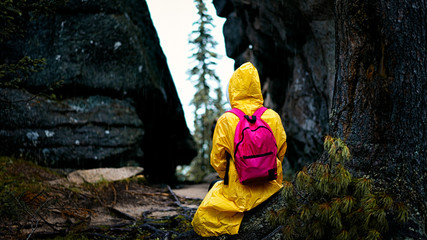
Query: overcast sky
[173,20]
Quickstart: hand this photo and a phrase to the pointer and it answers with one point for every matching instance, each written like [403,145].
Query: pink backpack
[255,148]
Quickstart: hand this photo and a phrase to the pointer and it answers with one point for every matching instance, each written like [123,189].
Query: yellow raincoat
[221,211]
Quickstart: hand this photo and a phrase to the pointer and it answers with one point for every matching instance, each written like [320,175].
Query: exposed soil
[126,209]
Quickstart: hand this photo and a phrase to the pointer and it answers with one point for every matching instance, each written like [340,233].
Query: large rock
[102,174]
[292,43]
[116,101]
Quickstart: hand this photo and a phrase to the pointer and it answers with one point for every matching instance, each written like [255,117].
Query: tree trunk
[379,104]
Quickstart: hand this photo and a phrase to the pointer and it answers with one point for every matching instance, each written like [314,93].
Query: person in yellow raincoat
[221,211]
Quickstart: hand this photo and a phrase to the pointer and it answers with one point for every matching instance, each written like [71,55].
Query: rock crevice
[292,44]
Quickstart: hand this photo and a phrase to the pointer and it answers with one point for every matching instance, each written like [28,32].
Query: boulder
[292,44]
[105,97]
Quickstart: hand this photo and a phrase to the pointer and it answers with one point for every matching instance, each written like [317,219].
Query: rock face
[116,101]
[292,44]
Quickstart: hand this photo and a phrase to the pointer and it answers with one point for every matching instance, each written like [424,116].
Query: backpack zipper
[256,156]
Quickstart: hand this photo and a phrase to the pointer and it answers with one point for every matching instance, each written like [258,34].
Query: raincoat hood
[244,89]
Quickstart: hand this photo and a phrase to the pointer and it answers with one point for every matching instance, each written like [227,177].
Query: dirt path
[127,208]
[194,191]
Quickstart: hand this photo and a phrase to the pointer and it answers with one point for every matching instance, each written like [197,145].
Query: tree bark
[379,103]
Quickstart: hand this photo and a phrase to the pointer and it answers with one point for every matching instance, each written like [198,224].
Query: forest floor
[40,203]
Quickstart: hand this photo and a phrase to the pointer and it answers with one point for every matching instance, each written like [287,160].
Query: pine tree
[327,202]
[208,104]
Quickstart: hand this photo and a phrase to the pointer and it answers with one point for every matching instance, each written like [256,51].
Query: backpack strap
[260,111]
[239,113]
[227,168]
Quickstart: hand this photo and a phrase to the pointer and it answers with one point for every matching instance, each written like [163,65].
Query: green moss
[21,184]
[181,224]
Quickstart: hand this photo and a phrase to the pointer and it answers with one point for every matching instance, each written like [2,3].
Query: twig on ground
[147,194]
[33,229]
[177,202]
[150,228]
[103,203]
[35,196]
[121,214]
[270,235]
[44,220]
[188,212]
[33,215]
[115,195]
